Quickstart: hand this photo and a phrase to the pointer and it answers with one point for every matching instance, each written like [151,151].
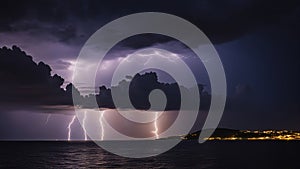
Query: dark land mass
[231,134]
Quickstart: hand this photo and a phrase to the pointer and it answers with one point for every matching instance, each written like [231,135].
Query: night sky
[257,41]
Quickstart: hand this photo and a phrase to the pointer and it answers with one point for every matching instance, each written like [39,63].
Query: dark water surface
[188,154]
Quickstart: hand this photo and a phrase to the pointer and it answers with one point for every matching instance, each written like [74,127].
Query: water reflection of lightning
[48,117]
[69,127]
[155,126]
[101,124]
[83,125]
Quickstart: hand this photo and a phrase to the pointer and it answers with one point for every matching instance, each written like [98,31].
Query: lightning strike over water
[69,127]
[48,117]
[155,126]
[83,125]
[101,124]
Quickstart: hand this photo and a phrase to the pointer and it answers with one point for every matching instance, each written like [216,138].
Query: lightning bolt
[155,126]
[48,117]
[101,124]
[83,125]
[69,127]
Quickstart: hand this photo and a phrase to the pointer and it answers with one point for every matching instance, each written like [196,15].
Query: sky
[257,41]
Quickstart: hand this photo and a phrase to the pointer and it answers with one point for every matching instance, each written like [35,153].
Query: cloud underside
[74,21]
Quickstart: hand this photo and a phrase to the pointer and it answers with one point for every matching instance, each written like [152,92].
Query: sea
[187,154]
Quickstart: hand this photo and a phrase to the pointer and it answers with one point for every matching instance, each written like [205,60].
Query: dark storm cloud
[24,82]
[70,20]
[140,88]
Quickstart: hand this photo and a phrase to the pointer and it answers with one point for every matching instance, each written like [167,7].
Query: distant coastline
[231,134]
[220,134]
